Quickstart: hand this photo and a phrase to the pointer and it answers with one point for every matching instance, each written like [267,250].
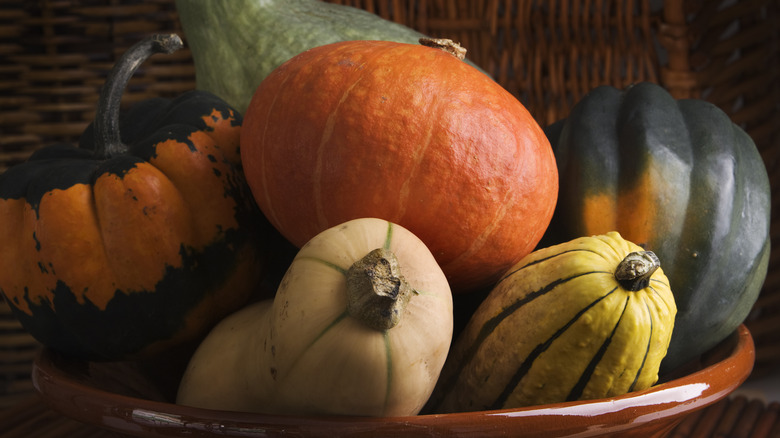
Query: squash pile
[403,180]
[679,178]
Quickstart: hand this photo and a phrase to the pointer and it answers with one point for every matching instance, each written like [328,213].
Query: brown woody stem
[446,45]
[634,272]
[377,293]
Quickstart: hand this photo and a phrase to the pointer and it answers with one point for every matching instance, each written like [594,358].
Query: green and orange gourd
[679,178]
[139,239]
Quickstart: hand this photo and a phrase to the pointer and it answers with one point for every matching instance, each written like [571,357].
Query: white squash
[361,325]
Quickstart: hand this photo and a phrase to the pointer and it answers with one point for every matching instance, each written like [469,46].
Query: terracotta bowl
[125,398]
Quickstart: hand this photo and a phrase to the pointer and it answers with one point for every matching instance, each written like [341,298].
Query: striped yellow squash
[585,319]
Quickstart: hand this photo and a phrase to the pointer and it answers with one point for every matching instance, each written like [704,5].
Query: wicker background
[54,55]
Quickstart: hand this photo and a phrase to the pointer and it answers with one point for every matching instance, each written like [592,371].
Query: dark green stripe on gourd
[531,358]
[681,179]
[578,389]
[562,309]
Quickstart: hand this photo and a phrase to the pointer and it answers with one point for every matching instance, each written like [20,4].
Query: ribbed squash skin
[559,327]
[680,179]
[110,258]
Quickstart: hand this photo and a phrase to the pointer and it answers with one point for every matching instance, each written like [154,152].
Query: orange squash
[140,239]
[407,133]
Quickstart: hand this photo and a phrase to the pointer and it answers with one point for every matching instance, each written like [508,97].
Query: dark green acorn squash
[126,246]
[680,179]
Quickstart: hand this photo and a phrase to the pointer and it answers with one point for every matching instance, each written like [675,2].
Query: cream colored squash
[333,341]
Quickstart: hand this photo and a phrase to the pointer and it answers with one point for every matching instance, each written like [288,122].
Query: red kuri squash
[407,133]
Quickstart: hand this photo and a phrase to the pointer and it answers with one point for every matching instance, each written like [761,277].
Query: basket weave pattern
[54,55]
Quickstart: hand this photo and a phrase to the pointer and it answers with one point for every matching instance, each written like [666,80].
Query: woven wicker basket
[54,55]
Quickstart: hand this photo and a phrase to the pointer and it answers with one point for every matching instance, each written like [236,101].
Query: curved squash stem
[377,293]
[634,271]
[108,142]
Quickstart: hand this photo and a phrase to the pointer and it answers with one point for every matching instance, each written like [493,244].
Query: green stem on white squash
[108,142]
[634,271]
[377,293]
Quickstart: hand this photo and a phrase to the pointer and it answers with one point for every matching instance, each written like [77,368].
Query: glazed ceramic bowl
[124,397]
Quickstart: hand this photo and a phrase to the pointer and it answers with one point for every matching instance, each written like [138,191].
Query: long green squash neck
[192,12]
[235,44]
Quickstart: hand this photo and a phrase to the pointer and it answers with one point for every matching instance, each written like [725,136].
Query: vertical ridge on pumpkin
[316,176]
[60,245]
[258,160]
[482,239]
[143,199]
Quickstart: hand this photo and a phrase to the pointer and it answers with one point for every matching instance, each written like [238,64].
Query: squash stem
[634,272]
[108,142]
[377,293]
[446,45]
